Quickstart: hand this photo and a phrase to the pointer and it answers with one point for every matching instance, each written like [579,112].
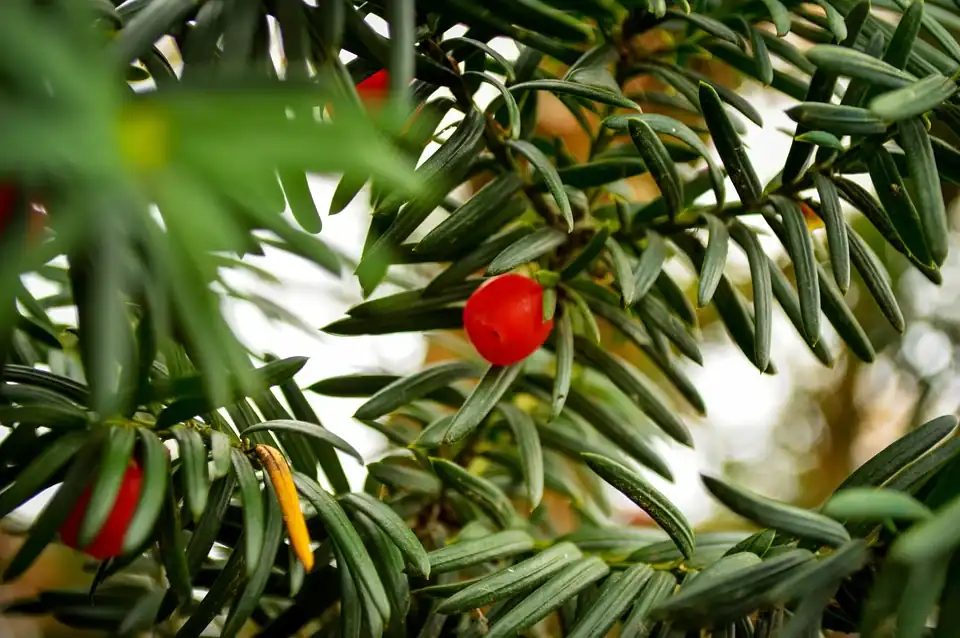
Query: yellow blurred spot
[813,220]
[279,472]
[144,137]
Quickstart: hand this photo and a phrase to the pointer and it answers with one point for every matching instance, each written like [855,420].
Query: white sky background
[742,405]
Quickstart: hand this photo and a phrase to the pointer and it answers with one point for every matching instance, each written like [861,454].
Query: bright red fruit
[504,319]
[109,542]
[375,88]
[8,196]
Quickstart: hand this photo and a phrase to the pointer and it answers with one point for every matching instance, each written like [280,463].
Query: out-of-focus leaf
[874,504]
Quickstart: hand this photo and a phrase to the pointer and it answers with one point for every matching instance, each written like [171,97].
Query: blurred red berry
[109,542]
[8,197]
[504,319]
[375,88]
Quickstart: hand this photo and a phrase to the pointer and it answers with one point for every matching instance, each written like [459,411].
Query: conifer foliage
[206,490]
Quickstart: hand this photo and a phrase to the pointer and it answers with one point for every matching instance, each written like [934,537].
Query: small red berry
[375,88]
[504,319]
[109,542]
[8,197]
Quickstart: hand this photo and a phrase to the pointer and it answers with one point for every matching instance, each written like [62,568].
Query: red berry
[374,89]
[504,319]
[109,542]
[8,196]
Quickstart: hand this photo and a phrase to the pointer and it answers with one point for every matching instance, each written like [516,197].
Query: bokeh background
[793,436]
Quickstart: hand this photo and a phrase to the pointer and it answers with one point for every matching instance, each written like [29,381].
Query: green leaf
[727,300]
[659,587]
[481,401]
[153,488]
[819,574]
[351,606]
[851,63]
[394,527]
[612,601]
[587,254]
[714,259]
[440,319]
[638,490]
[796,238]
[708,25]
[926,191]
[469,218]
[564,356]
[730,147]
[549,596]
[221,592]
[517,579]
[485,494]
[602,171]
[326,455]
[650,266]
[389,565]
[661,167]
[36,476]
[762,290]
[905,36]
[625,377]
[579,304]
[625,436]
[143,614]
[526,249]
[466,265]
[253,516]
[758,544]
[668,126]
[414,387]
[530,451]
[837,119]
[467,553]
[219,454]
[431,437]
[897,202]
[507,67]
[833,221]
[575,89]
[937,32]
[403,477]
[835,20]
[838,313]
[302,205]
[623,271]
[258,573]
[729,594]
[901,453]
[821,138]
[173,551]
[547,172]
[874,504]
[779,516]
[347,190]
[513,111]
[193,469]
[876,279]
[114,461]
[55,417]
[655,314]
[45,526]
[345,537]
[761,55]
[414,301]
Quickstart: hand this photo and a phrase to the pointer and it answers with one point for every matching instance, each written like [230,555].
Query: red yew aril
[109,542]
[374,89]
[503,319]
[8,199]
